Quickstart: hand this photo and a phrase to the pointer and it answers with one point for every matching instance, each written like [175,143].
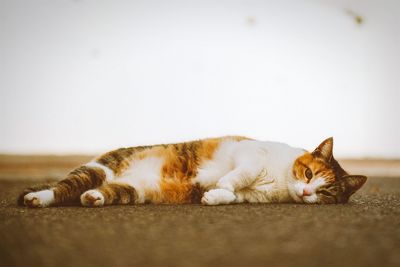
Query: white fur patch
[143,175]
[298,188]
[310,199]
[212,170]
[109,173]
[217,197]
[41,199]
[317,183]
[262,167]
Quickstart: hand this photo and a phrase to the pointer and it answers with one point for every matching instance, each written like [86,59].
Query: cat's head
[318,178]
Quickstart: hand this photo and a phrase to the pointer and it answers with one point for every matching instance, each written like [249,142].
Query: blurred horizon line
[83,154]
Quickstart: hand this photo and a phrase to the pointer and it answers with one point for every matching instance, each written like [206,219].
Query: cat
[214,171]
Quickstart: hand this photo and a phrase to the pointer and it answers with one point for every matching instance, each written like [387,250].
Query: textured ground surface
[365,232]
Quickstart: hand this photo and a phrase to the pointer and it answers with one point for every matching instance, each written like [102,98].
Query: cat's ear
[325,149]
[351,183]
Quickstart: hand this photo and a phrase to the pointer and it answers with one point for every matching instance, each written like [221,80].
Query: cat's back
[183,160]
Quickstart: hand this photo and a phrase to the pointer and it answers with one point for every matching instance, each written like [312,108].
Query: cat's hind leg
[32,189]
[68,190]
[108,194]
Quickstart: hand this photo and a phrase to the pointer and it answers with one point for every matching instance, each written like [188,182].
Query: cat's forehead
[310,161]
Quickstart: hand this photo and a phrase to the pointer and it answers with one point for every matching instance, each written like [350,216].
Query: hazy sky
[88,76]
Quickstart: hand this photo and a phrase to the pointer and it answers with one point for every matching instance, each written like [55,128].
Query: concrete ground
[365,232]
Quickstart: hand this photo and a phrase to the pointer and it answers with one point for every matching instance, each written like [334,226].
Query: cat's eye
[309,174]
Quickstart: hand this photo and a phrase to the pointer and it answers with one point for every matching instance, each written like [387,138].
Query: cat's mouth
[306,193]
[306,197]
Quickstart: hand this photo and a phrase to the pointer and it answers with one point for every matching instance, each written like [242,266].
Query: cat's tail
[65,191]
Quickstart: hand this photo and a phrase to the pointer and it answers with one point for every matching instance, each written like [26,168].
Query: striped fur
[210,171]
[77,182]
[118,194]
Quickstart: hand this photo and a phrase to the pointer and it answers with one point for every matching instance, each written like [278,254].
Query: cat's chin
[294,196]
[295,192]
[310,199]
[297,197]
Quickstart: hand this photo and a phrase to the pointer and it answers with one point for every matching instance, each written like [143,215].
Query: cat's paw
[92,198]
[217,197]
[39,199]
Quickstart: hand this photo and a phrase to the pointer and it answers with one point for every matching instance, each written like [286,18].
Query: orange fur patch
[318,167]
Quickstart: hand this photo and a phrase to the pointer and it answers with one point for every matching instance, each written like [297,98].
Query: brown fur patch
[174,192]
[118,193]
[196,193]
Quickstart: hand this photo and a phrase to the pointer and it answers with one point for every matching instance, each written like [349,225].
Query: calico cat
[213,171]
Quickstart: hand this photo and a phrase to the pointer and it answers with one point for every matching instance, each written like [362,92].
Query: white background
[87,76]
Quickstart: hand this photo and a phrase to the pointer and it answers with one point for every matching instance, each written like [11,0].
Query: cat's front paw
[39,199]
[92,198]
[218,197]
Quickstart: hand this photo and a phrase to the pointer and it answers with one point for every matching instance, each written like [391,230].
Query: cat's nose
[306,192]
